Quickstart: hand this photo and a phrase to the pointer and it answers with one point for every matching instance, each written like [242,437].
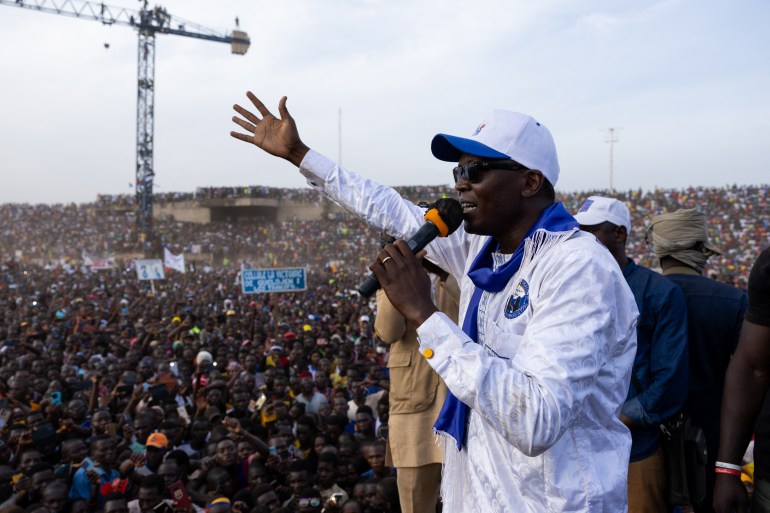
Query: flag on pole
[172,261]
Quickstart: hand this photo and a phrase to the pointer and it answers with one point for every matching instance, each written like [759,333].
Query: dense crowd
[738,217]
[739,225]
[207,193]
[117,393]
[95,359]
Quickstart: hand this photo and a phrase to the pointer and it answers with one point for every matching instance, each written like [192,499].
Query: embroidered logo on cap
[478,129]
[518,302]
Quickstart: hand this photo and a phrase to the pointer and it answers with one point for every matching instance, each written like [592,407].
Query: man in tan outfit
[416,397]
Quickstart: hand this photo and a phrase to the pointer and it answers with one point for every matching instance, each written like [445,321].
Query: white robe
[545,383]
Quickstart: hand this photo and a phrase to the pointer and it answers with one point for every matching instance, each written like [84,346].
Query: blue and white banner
[259,281]
[149,269]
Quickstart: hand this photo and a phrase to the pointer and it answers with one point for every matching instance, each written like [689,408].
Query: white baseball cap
[204,356]
[504,135]
[598,209]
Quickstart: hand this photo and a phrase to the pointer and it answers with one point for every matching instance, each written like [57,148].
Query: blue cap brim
[450,148]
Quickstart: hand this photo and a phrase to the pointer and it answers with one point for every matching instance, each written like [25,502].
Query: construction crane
[147,22]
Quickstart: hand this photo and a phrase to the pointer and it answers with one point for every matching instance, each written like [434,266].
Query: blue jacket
[659,380]
[715,315]
[81,486]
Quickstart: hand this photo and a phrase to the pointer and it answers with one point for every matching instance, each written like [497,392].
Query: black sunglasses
[471,171]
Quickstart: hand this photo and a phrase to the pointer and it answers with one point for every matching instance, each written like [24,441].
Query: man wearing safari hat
[714,316]
[541,366]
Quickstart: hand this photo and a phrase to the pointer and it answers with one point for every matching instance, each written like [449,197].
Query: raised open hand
[276,136]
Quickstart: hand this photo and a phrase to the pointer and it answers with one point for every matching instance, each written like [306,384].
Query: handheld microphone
[443,218]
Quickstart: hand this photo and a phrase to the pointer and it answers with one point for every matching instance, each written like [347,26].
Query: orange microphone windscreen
[434,217]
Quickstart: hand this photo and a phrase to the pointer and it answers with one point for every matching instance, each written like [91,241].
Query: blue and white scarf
[453,419]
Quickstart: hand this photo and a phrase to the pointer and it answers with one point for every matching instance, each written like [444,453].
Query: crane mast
[147,22]
[145,124]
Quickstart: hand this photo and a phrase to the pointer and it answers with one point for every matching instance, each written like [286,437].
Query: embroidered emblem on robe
[518,302]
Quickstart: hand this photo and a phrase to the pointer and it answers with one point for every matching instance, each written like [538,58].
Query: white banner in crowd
[149,269]
[172,261]
[95,263]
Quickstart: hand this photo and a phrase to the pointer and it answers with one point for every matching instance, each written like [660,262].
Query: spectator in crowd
[87,481]
[326,480]
[152,492]
[310,397]
[55,497]
[659,376]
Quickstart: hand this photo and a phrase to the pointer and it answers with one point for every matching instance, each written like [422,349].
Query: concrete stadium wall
[299,211]
[201,211]
[188,211]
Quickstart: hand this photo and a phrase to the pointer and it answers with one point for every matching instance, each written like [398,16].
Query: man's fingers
[387,254]
[282,110]
[258,104]
[382,255]
[242,137]
[398,252]
[245,124]
[246,114]
[402,247]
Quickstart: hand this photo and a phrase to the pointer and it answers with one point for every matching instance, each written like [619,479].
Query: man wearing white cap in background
[659,378]
[541,367]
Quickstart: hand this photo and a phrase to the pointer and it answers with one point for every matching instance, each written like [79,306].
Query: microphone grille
[451,213]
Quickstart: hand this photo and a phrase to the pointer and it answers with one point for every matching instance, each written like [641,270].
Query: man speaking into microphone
[541,366]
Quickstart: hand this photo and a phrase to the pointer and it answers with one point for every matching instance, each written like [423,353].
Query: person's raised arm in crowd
[180,328]
[234,426]
[94,393]
[746,384]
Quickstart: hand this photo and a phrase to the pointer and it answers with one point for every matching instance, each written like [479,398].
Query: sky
[685,82]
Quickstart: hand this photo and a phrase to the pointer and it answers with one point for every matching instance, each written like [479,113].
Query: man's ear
[533,182]
[621,234]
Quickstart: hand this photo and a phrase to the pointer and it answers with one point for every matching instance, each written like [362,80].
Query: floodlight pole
[611,138]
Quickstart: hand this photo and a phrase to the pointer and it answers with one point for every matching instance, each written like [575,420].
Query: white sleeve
[531,399]
[382,208]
